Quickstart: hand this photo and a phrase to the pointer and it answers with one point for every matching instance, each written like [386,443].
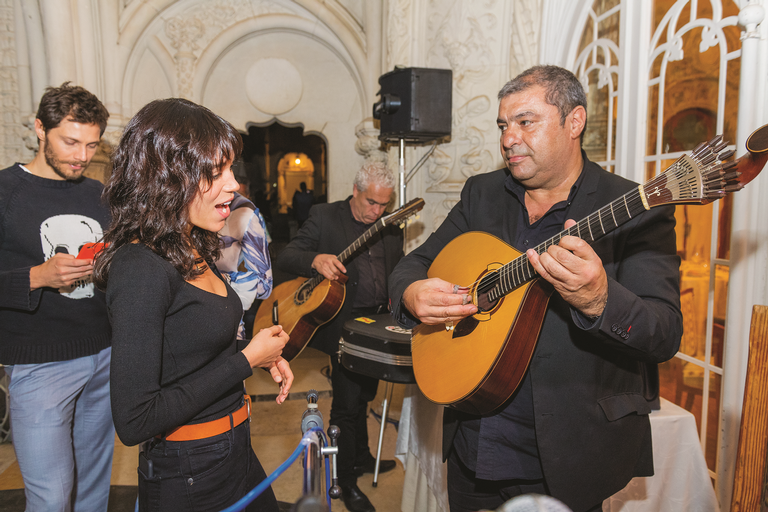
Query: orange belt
[213,427]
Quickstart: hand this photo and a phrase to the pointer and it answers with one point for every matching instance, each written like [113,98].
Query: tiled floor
[276,431]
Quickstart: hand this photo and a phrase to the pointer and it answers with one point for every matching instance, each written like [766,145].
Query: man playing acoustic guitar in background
[577,427]
[330,229]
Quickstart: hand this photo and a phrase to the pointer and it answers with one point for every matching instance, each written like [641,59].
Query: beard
[58,166]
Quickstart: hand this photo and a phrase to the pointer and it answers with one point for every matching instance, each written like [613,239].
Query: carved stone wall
[485,44]
[203,50]
[255,61]
[11,129]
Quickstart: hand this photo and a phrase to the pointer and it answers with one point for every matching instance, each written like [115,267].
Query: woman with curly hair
[177,367]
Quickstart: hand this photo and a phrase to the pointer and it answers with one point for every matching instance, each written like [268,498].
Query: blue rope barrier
[256,491]
[328,482]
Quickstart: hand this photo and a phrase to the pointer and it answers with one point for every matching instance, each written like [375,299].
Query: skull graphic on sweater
[67,234]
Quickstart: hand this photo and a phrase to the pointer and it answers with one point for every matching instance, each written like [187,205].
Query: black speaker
[415,104]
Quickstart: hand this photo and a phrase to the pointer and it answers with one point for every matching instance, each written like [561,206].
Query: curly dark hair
[170,151]
[72,101]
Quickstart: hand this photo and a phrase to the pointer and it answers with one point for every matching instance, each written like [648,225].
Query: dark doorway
[273,180]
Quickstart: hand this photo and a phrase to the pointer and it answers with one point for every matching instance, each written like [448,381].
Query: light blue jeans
[61,423]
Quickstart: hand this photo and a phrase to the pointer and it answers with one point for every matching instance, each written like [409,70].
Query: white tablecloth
[681,480]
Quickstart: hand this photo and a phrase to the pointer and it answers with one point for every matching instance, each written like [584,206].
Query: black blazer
[330,230]
[591,416]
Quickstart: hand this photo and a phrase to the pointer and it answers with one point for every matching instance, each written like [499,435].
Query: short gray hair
[563,89]
[374,173]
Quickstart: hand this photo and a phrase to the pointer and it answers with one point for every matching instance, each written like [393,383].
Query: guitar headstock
[400,216]
[698,178]
[703,177]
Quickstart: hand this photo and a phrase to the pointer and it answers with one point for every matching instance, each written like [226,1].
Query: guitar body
[300,320]
[479,364]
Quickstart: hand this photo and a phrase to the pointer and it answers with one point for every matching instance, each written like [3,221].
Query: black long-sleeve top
[175,358]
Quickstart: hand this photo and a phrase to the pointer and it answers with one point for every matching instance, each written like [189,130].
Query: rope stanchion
[256,491]
[313,445]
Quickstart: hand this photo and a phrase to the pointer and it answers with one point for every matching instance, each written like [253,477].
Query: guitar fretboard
[362,240]
[311,284]
[400,215]
[519,271]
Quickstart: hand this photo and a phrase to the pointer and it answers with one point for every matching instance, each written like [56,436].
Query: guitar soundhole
[302,294]
[487,292]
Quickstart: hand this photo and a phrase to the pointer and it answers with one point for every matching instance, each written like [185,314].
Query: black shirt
[506,442]
[372,283]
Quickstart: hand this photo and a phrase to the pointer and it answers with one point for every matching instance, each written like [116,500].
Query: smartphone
[89,250]
[146,468]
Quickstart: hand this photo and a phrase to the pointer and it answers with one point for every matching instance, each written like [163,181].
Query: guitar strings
[520,266]
[403,213]
[632,201]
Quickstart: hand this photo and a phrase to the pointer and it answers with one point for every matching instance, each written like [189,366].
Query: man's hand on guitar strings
[435,301]
[329,266]
[575,271]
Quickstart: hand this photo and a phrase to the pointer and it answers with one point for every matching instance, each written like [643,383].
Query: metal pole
[401,162]
[313,468]
[384,415]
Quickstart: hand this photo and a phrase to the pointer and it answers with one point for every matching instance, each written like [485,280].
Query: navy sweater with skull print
[38,218]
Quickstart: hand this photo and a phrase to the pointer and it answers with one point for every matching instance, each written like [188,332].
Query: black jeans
[466,493]
[351,394]
[202,475]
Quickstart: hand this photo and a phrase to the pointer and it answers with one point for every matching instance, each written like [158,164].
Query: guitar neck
[519,271]
[413,206]
[361,241]
[347,253]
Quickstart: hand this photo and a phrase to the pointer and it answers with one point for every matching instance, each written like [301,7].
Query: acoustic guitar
[304,304]
[512,300]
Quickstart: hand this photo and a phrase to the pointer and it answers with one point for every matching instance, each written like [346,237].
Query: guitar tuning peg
[719,147]
[727,154]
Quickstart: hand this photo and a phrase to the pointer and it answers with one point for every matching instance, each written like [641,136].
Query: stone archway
[283,62]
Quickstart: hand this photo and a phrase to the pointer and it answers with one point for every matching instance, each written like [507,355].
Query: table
[681,480]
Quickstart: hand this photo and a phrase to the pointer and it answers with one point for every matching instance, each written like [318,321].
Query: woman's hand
[282,374]
[265,348]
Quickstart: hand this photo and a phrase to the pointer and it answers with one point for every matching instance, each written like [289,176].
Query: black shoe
[355,500]
[369,466]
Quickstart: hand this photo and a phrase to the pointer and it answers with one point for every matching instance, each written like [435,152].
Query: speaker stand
[404,179]
[401,167]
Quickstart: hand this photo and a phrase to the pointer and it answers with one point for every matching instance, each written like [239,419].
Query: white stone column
[35,46]
[60,41]
[374,22]
[89,61]
[749,245]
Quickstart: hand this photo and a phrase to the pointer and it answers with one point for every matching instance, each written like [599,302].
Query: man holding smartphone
[54,330]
